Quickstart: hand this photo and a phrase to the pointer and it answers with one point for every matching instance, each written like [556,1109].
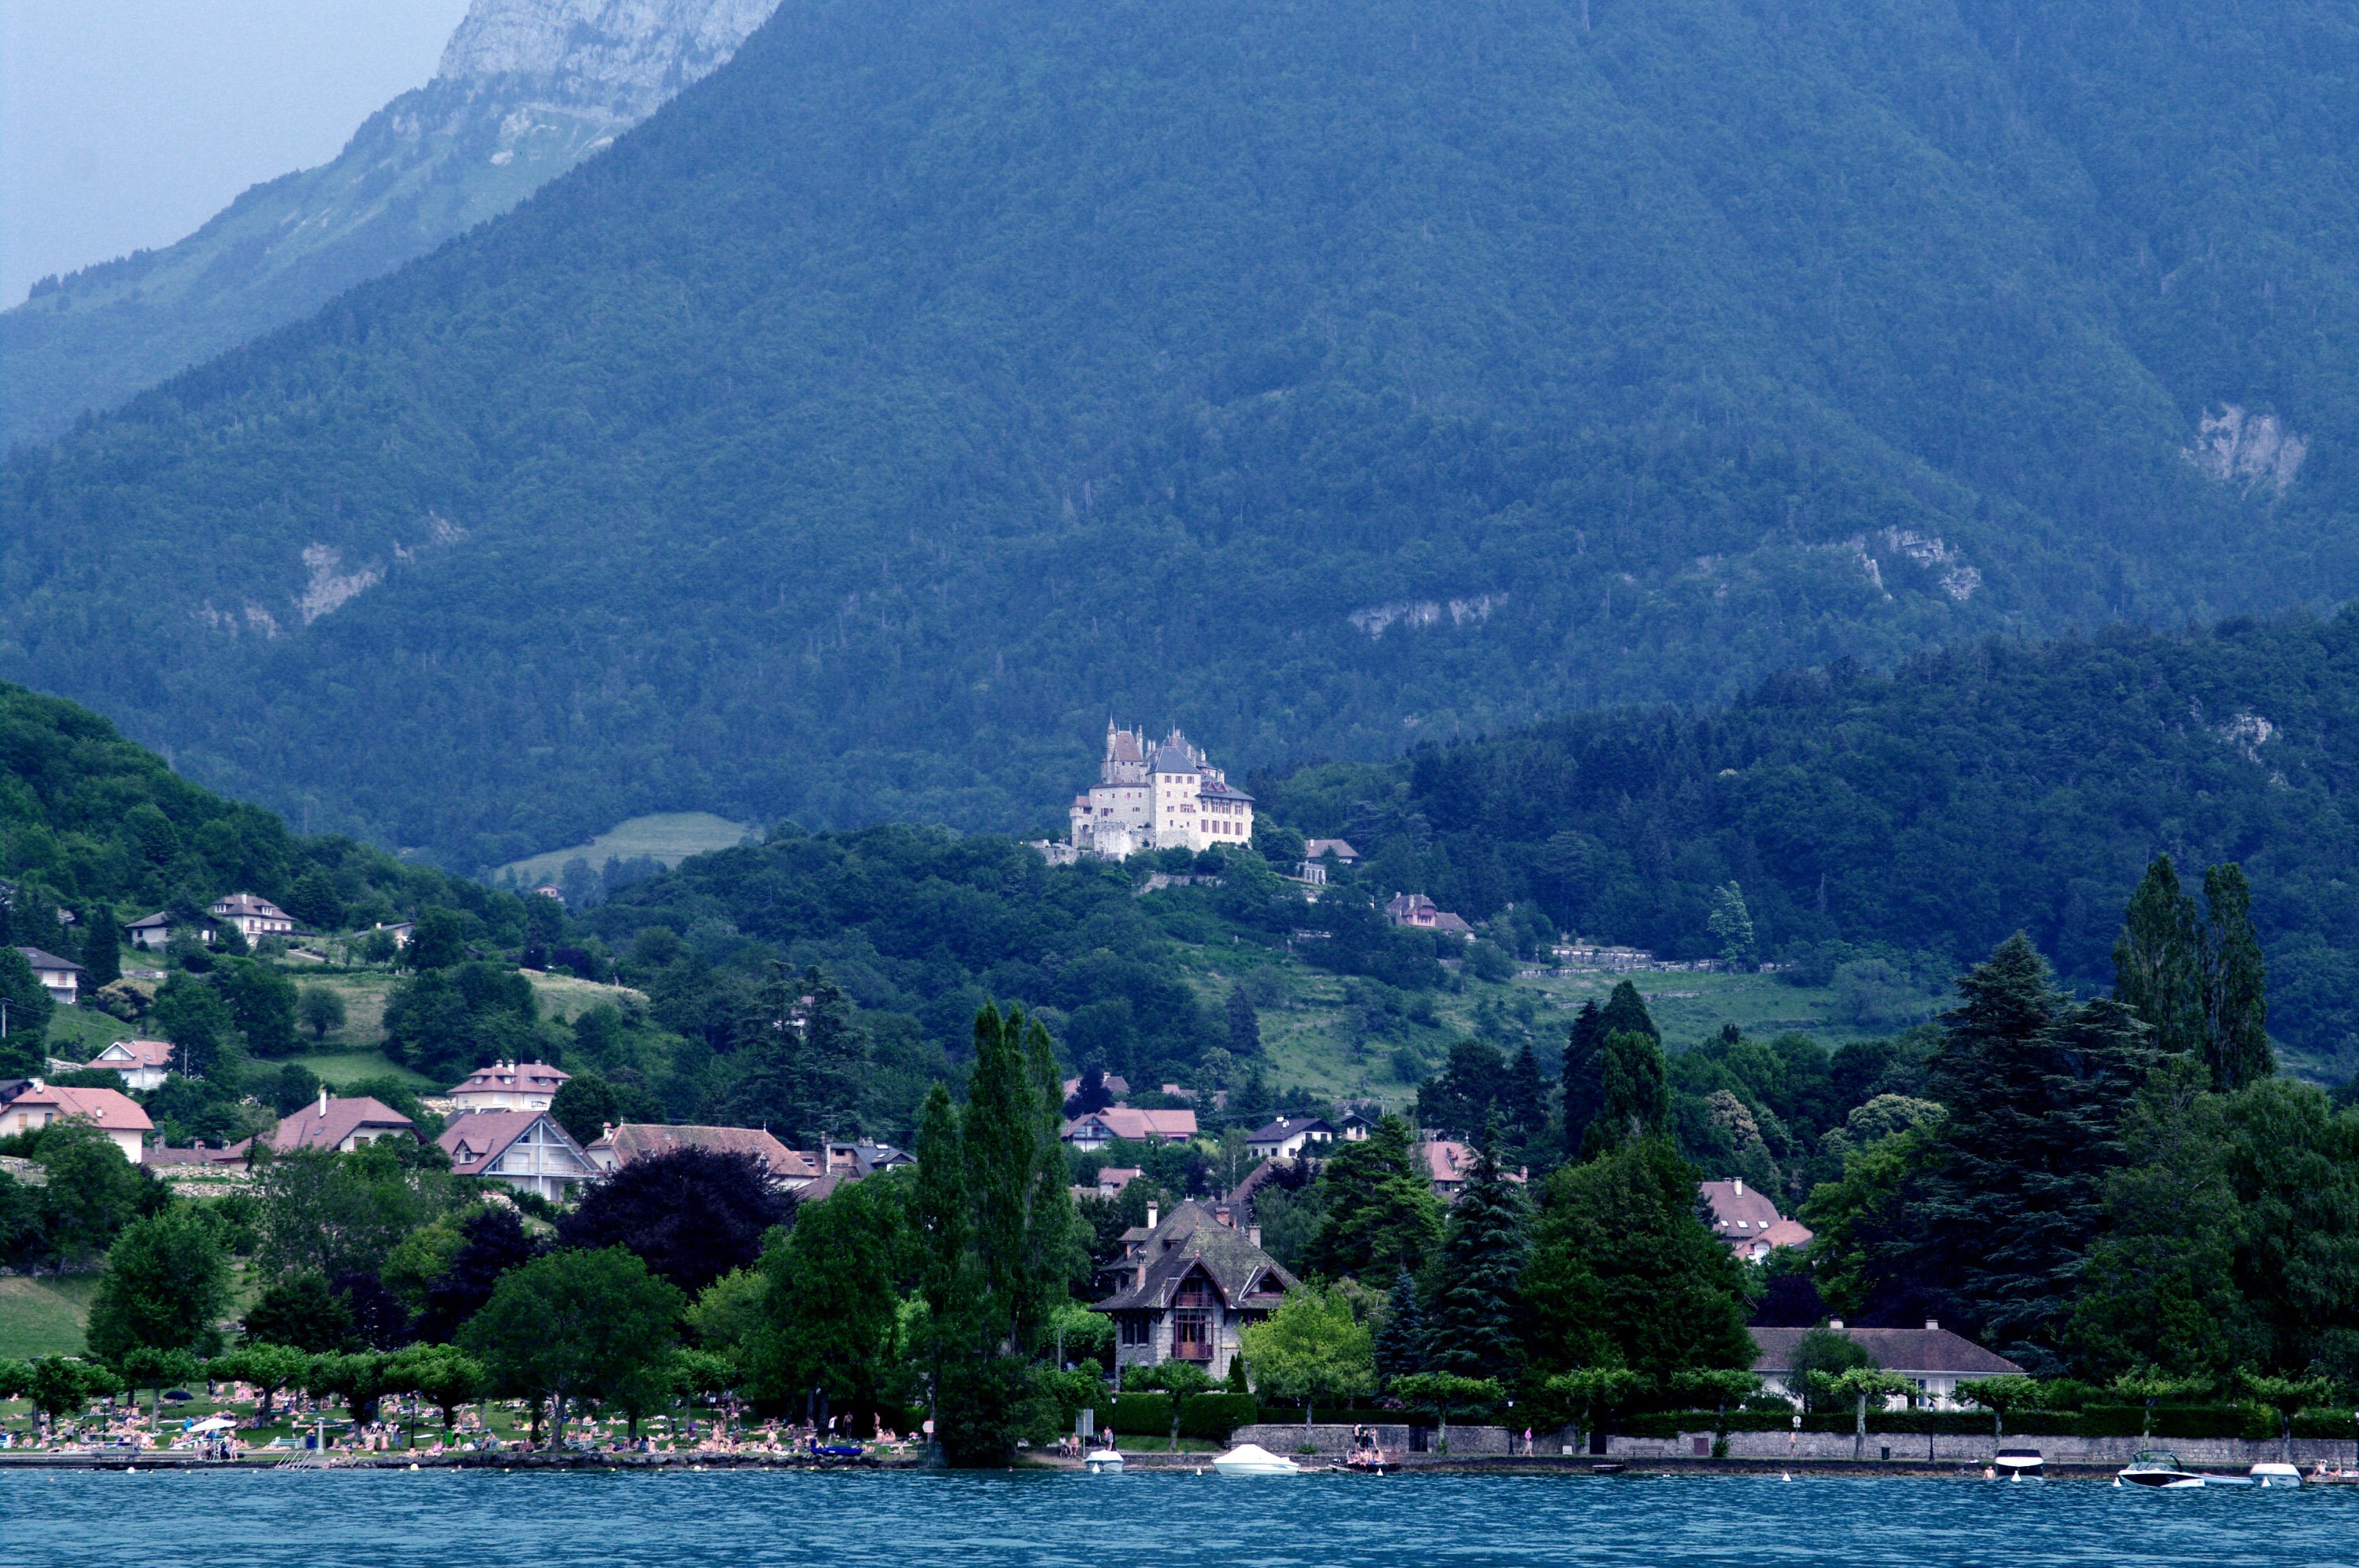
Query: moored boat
[2159,1467]
[1102,1462]
[2019,1461]
[1253,1459]
[2276,1475]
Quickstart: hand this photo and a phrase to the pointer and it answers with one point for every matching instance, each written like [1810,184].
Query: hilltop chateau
[1156,799]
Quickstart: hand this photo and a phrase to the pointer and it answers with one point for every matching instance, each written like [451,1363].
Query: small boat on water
[2159,1467]
[2276,1475]
[1253,1459]
[1102,1462]
[2019,1461]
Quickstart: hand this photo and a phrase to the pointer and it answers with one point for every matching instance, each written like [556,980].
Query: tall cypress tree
[1245,1025]
[102,947]
[1584,1074]
[1474,1326]
[2236,1005]
[1400,1342]
[2159,959]
[1523,1099]
[999,1136]
[1625,1012]
[1637,1098]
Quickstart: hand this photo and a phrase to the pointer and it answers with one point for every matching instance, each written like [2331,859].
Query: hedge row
[1209,1416]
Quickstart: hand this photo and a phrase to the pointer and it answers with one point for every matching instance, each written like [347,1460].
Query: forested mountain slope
[1974,793]
[526,90]
[851,437]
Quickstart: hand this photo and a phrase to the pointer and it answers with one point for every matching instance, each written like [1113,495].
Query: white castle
[1170,797]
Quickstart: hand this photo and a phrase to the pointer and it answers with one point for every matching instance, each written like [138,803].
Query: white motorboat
[2276,1475]
[1102,1462]
[1253,1459]
[2159,1467]
[2019,1461]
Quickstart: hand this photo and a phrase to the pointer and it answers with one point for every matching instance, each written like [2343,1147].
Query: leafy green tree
[574,1325]
[166,1287]
[270,1370]
[190,1014]
[2159,1287]
[302,1313]
[261,1003]
[1461,1100]
[359,1377]
[28,1007]
[1442,1392]
[585,1106]
[1623,1273]
[1636,1101]
[315,900]
[16,1378]
[1475,1318]
[1858,1385]
[1311,1348]
[2002,1397]
[2295,1169]
[1820,1356]
[151,1367]
[2151,1389]
[1591,1392]
[2287,1398]
[1731,924]
[805,1054]
[1381,1216]
[831,1300]
[92,1192]
[438,941]
[691,1215]
[443,1375]
[334,1214]
[1625,1013]
[1243,1025]
[61,1386]
[321,1010]
[1400,1339]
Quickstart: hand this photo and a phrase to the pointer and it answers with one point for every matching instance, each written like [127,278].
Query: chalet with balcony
[1187,1286]
[254,915]
[61,977]
[525,1150]
[1100,1127]
[1290,1136]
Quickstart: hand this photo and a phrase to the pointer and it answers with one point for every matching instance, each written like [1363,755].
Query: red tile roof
[110,1110]
[476,1139]
[642,1140]
[513,1077]
[326,1127]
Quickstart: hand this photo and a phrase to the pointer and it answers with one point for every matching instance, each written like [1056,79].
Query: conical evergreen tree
[1523,1100]
[1584,1074]
[2003,1214]
[1400,1342]
[1245,1025]
[2159,959]
[2236,1005]
[1474,1326]
[1637,1098]
[1625,1012]
[102,947]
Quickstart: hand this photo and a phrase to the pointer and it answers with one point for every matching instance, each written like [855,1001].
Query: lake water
[487,1520]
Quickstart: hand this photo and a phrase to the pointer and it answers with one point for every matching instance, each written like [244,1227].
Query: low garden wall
[1957,1448]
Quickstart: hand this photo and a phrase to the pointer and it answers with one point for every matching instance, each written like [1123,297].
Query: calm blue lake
[486,1520]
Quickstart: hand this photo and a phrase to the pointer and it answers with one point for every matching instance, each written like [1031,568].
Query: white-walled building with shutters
[1162,797]
[525,1150]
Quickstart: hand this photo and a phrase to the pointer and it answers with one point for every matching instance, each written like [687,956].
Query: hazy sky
[127,123]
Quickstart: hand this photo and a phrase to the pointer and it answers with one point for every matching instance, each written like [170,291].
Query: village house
[1110,1183]
[620,1145]
[857,1158]
[1933,1359]
[525,1150]
[1355,1127]
[1416,912]
[254,915]
[335,1123]
[509,1086]
[1289,1136]
[61,977]
[154,931]
[1449,1163]
[1187,1286]
[143,1064]
[112,1111]
[1167,797]
[1747,1222]
[1100,1127]
[1317,850]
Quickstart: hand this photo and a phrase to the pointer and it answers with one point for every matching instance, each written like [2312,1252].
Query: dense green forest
[1912,821]
[853,436]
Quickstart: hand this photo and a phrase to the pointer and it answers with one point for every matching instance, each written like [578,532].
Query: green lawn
[1307,1039]
[339,1068]
[671,836]
[44,1316]
[566,996]
[77,1034]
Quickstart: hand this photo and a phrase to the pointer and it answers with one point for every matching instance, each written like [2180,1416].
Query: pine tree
[1637,1098]
[1584,1074]
[2159,959]
[1625,1012]
[1400,1342]
[102,947]
[1474,1328]
[2038,1089]
[2236,1007]
[1381,1213]
[1245,1025]
[1523,1099]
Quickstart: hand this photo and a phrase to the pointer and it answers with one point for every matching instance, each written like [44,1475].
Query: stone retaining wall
[2232,1453]
[1333,1442]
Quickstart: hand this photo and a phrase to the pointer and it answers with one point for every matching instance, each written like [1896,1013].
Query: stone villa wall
[2227,1452]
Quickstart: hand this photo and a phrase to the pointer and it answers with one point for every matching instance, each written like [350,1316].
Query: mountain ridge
[853,434]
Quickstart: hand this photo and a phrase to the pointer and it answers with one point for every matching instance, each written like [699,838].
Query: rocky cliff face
[526,90]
